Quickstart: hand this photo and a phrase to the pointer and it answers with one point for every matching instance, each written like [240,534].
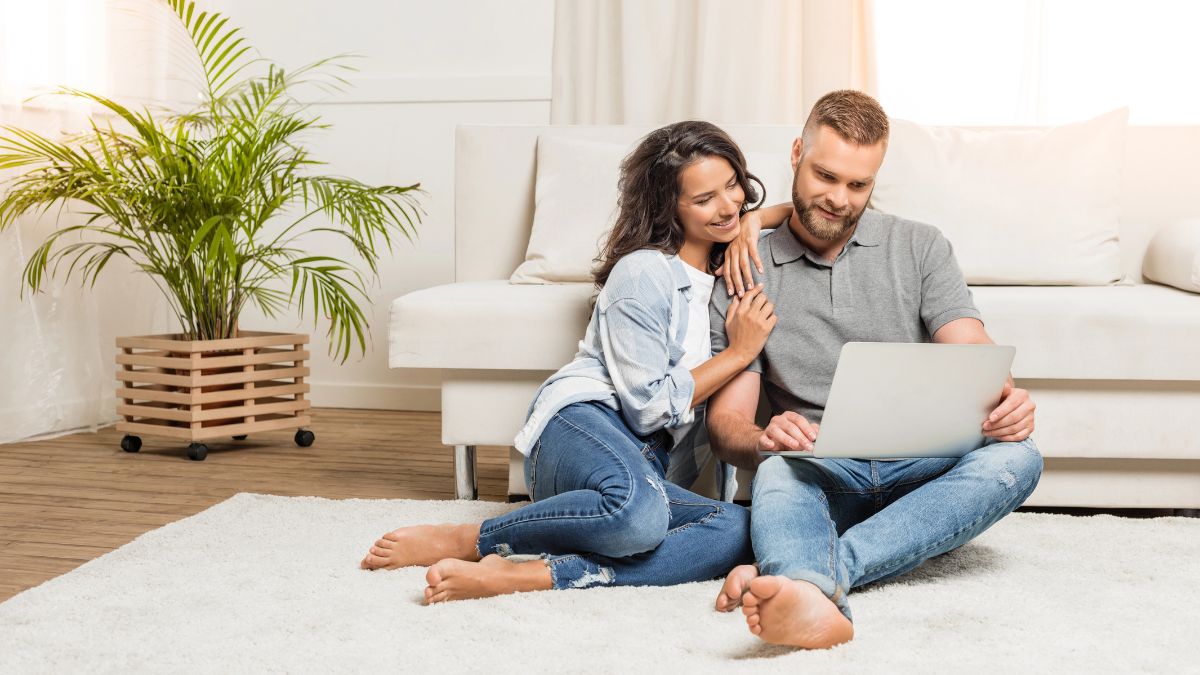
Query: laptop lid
[903,400]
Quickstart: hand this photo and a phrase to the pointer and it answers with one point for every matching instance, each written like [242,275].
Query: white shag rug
[263,583]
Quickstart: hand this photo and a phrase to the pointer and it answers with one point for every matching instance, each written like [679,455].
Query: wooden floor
[67,500]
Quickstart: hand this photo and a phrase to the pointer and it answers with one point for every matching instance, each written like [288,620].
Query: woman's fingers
[757,260]
[748,299]
[745,275]
[735,272]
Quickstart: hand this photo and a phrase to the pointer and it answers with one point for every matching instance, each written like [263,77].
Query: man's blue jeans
[843,523]
[602,513]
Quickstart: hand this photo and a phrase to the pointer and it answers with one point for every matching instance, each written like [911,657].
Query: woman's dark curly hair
[649,191]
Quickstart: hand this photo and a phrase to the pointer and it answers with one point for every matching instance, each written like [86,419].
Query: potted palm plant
[213,203]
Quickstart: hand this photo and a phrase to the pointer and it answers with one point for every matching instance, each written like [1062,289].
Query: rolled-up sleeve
[652,393]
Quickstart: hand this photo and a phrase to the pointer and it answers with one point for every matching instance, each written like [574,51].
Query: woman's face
[710,199]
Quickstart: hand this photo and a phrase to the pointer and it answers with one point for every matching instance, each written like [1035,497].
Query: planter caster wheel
[197,452]
[242,437]
[131,443]
[305,438]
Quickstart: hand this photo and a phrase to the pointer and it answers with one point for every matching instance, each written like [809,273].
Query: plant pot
[198,390]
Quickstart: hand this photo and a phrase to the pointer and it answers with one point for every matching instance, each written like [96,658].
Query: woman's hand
[748,322]
[736,268]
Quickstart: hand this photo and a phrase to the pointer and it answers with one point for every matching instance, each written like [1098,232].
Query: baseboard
[376,396]
[40,421]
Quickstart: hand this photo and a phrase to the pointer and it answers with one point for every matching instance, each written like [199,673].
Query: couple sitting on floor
[602,431]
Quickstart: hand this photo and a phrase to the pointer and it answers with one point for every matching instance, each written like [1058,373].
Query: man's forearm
[734,439]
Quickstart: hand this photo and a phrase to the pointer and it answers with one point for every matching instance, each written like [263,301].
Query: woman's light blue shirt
[629,357]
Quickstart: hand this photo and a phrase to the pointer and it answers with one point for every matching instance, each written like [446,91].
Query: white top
[697,343]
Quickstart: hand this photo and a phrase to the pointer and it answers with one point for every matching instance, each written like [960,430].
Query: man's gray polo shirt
[895,281]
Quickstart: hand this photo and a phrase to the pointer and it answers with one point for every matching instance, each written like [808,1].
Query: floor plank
[67,500]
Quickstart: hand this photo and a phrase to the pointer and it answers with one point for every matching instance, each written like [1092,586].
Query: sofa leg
[465,486]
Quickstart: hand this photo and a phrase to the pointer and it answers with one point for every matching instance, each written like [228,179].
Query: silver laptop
[901,400]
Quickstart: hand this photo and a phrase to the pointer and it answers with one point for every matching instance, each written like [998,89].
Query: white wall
[425,68]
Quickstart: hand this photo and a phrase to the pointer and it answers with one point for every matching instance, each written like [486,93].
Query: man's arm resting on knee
[731,428]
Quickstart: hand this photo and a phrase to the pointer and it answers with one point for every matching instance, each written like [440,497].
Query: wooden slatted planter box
[198,390]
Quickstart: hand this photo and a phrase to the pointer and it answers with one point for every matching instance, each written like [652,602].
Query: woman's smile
[726,225]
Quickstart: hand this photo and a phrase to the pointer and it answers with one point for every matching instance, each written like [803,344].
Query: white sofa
[1115,370]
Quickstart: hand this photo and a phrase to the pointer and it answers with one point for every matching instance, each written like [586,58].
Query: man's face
[833,182]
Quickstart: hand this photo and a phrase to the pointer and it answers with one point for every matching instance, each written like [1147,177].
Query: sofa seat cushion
[1138,332]
[489,325]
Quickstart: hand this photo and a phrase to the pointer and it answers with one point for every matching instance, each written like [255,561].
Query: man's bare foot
[736,585]
[422,545]
[460,580]
[784,611]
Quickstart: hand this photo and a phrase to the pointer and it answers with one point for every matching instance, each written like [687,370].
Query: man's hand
[1012,420]
[788,431]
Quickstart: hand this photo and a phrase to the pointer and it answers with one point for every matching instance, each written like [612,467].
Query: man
[839,272]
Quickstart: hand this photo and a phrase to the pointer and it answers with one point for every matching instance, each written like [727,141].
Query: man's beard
[819,226]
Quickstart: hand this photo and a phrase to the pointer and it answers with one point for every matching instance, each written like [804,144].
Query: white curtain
[1038,62]
[56,374]
[658,61]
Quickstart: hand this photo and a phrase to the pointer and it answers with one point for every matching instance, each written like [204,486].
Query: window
[1005,62]
[126,49]
[50,43]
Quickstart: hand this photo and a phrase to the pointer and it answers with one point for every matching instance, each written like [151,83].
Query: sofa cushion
[575,204]
[1137,332]
[1173,256]
[1020,206]
[489,325]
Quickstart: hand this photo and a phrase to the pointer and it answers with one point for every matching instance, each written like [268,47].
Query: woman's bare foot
[784,611]
[460,580]
[423,545]
[736,585]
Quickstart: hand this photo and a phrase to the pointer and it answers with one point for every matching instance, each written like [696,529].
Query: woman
[602,430]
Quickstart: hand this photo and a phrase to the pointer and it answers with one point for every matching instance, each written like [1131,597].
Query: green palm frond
[217,203]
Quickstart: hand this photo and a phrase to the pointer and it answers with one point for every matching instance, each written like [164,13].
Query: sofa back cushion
[1173,257]
[1033,206]
[575,203]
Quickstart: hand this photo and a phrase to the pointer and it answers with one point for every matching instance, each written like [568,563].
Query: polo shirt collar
[870,229]
[786,247]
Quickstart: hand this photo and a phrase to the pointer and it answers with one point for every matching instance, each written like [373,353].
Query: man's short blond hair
[855,116]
